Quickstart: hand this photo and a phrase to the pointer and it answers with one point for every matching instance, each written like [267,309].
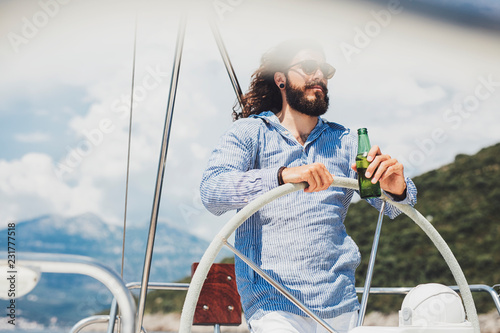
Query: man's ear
[280,79]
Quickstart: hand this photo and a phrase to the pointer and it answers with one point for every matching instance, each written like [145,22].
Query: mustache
[317,83]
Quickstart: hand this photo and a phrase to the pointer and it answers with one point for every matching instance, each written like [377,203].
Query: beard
[296,98]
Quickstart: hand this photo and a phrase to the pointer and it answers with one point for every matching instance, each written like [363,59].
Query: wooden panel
[219,301]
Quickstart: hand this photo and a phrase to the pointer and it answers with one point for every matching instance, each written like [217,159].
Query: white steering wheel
[221,239]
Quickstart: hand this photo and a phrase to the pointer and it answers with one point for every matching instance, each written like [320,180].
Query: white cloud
[29,187]
[199,151]
[34,137]
[399,86]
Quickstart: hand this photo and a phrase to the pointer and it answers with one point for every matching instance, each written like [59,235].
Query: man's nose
[318,75]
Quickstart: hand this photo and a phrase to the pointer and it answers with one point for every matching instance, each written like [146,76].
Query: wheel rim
[221,238]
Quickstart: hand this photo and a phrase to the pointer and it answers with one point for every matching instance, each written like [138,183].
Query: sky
[422,76]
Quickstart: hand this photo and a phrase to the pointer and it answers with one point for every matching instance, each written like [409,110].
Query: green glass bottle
[366,188]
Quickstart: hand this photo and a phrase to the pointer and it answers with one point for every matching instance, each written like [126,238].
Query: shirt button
[245,200]
[285,132]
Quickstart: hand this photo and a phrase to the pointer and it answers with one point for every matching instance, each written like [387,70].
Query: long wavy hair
[263,94]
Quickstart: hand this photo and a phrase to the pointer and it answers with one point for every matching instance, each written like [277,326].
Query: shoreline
[489,323]
[169,323]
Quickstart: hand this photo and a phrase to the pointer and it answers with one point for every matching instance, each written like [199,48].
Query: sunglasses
[310,67]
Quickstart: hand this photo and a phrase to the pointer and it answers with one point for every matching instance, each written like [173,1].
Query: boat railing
[405,290]
[74,264]
[113,312]
[491,290]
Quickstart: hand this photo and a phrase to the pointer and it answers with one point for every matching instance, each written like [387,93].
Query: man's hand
[316,175]
[385,169]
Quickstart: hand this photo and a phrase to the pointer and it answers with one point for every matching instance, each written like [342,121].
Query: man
[300,239]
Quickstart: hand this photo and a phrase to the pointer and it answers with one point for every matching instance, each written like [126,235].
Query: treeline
[461,200]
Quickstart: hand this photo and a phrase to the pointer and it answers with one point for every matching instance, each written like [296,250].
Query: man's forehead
[308,54]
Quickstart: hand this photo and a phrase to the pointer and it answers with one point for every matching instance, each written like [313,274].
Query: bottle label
[366,188]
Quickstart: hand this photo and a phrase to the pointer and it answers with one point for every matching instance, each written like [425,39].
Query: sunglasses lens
[309,66]
[328,70]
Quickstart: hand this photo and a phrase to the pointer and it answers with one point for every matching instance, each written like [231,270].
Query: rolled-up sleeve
[392,211]
[231,180]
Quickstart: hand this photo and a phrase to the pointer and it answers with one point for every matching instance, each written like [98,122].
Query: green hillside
[459,199]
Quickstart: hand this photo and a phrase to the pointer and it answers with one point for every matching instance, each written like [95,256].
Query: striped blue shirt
[300,239]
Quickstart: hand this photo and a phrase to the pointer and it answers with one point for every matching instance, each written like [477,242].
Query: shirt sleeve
[392,211]
[231,180]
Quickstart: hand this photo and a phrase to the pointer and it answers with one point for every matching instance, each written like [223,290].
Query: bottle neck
[363,144]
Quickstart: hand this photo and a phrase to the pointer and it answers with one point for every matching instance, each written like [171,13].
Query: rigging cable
[228,65]
[129,144]
[111,324]
[161,171]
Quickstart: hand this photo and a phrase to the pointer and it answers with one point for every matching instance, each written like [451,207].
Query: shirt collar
[270,117]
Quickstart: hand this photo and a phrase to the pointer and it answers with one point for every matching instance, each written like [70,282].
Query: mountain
[67,298]
[461,200]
